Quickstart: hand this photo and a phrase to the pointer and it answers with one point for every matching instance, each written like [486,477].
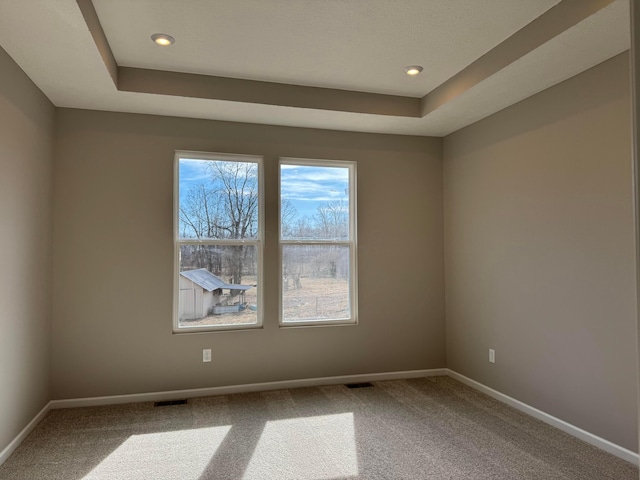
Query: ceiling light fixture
[163,39]
[413,69]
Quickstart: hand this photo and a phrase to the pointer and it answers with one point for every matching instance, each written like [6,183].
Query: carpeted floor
[427,428]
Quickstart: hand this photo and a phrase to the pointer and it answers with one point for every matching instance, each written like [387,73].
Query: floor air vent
[359,385]
[166,403]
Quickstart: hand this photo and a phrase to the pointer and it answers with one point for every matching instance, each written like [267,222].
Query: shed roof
[209,281]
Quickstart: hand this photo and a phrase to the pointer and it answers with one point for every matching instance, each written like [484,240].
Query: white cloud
[314,184]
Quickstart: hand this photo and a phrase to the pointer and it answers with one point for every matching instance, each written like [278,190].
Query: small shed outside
[203,294]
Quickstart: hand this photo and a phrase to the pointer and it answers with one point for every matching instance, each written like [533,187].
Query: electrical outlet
[492,355]
[206,355]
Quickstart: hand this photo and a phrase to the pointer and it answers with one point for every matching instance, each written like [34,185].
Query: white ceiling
[358,45]
[353,45]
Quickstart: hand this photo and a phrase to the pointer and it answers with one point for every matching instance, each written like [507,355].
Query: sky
[191,172]
[305,186]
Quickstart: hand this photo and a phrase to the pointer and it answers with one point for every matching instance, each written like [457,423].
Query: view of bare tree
[288,218]
[224,207]
[332,220]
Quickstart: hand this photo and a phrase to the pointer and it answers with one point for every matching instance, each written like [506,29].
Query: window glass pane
[217,285]
[218,199]
[315,282]
[314,202]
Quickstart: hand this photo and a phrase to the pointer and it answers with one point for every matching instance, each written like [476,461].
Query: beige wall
[113,208]
[538,248]
[26,162]
[539,252]
[635,109]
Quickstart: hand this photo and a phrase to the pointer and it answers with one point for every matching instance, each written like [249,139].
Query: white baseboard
[8,450]
[250,387]
[599,442]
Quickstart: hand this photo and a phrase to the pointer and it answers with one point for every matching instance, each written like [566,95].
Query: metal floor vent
[358,385]
[166,403]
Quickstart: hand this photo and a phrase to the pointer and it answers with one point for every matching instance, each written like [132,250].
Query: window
[218,241]
[317,242]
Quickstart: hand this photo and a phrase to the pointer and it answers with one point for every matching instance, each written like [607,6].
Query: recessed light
[163,39]
[413,69]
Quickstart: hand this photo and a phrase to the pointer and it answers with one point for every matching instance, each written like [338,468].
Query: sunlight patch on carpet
[310,448]
[179,455]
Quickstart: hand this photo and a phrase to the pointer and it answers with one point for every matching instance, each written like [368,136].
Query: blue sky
[191,172]
[306,187]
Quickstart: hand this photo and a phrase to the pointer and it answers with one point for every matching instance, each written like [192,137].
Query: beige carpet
[428,428]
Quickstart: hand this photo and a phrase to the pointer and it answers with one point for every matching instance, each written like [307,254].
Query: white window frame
[258,242]
[351,242]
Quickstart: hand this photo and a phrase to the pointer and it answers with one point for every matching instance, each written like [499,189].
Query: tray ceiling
[331,64]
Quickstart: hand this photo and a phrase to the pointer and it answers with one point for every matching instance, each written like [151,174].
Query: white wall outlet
[206,355]
[492,355]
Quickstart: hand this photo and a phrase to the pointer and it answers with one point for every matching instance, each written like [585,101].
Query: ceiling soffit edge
[550,24]
[554,21]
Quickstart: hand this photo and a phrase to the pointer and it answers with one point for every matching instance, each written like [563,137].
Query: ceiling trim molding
[559,18]
[269,93]
[90,15]
[553,22]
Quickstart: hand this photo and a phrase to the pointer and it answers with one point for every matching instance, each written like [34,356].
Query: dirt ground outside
[317,299]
